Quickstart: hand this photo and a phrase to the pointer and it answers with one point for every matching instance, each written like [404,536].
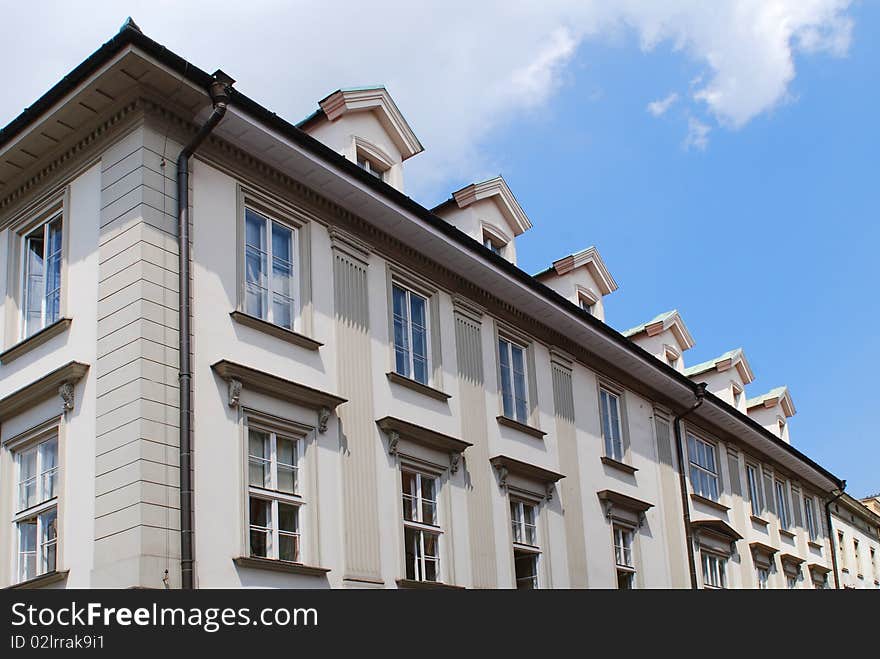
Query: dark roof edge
[129,35]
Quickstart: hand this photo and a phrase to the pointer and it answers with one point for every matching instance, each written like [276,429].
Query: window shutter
[769,493]
[733,469]
[664,448]
[532,384]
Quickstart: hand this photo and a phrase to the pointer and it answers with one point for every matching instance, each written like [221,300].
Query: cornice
[590,258]
[497,189]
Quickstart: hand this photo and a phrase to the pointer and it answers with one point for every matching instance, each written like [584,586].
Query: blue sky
[760,229]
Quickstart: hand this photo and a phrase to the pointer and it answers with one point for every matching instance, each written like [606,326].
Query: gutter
[831,539]
[219,92]
[682,484]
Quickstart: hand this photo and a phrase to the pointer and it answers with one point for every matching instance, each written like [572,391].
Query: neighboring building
[856,530]
[380,396]
[872,503]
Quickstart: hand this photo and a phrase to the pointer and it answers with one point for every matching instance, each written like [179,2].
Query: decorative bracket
[234,392]
[502,477]
[393,441]
[66,392]
[549,491]
[454,461]
[323,418]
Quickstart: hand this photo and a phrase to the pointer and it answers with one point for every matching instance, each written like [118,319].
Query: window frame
[619,396]
[755,488]
[619,534]
[713,565]
[409,292]
[783,509]
[762,574]
[420,526]
[43,226]
[692,465]
[494,239]
[810,518]
[522,549]
[525,348]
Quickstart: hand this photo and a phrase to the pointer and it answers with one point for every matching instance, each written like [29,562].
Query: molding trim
[426,585]
[590,258]
[397,429]
[496,188]
[277,331]
[409,383]
[40,581]
[698,498]
[60,382]
[521,427]
[617,464]
[505,466]
[611,500]
[259,563]
[37,339]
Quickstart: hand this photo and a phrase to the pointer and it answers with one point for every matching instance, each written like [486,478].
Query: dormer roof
[497,189]
[732,359]
[363,99]
[779,395]
[668,320]
[592,260]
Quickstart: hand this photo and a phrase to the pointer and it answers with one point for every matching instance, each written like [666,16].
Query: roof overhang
[592,260]
[281,145]
[498,190]
[378,100]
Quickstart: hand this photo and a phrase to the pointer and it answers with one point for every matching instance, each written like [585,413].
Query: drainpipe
[219,91]
[682,483]
[831,539]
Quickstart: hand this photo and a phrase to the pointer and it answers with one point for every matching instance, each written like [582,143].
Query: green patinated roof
[709,365]
[656,319]
[778,392]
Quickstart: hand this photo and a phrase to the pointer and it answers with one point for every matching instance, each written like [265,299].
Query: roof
[779,395]
[494,188]
[720,412]
[733,358]
[668,320]
[854,505]
[589,258]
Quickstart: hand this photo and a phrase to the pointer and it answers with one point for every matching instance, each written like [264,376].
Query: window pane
[519,383]
[288,518]
[255,230]
[419,338]
[506,386]
[27,479]
[260,527]
[259,459]
[53,272]
[49,468]
[48,539]
[413,553]
[401,331]
[526,567]
[429,501]
[34,273]
[286,457]
[27,549]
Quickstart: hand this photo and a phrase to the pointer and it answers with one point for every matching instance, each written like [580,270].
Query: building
[378,395]
[856,532]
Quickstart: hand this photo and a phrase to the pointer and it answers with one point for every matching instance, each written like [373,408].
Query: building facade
[856,532]
[379,396]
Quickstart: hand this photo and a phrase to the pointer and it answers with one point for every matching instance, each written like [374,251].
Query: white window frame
[763,576]
[783,513]
[791,582]
[810,518]
[409,293]
[509,344]
[270,219]
[371,166]
[712,476]
[753,483]
[623,539]
[42,226]
[520,535]
[841,549]
[422,527]
[618,451]
[272,494]
[714,570]
[39,509]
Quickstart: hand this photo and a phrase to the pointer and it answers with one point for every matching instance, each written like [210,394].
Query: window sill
[426,585]
[40,581]
[274,565]
[787,534]
[698,498]
[617,464]
[409,383]
[845,570]
[860,576]
[814,545]
[522,427]
[278,332]
[34,340]
[759,520]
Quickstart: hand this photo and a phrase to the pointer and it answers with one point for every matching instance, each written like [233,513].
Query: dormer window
[587,302]
[781,424]
[672,357]
[371,167]
[737,395]
[493,243]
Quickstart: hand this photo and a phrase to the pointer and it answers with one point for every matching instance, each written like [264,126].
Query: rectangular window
[369,166]
[754,489]
[410,313]
[494,245]
[514,394]
[41,277]
[714,568]
[270,270]
[841,549]
[763,578]
[274,500]
[810,515]
[525,544]
[704,467]
[623,557]
[609,404]
[36,519]
[873,553]
[421,528]
[791,582]
[856,555]
[782,505]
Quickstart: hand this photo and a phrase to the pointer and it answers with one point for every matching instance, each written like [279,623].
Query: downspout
[219,91]
[682,483]
[831,539]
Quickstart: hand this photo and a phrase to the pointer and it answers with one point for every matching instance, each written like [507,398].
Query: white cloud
[458,69]
[697,135]
[659,107]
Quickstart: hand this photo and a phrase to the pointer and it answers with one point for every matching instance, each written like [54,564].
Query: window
[763,578]
[782,505]
[672,359]
[754,485]
[41,277]
[810,515]
[856,555]
[781,424]
[525,544]
[270,270]
[410,312]
[274,500]
[737,394]
[873,554]
[493,244]
[623,557]
[371,167]
[704,469]
[587,305]
[714,568]
[791,582]
[514,396]
[841,550]
[421,530]
[609,404]
[36,521]
[820,581]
